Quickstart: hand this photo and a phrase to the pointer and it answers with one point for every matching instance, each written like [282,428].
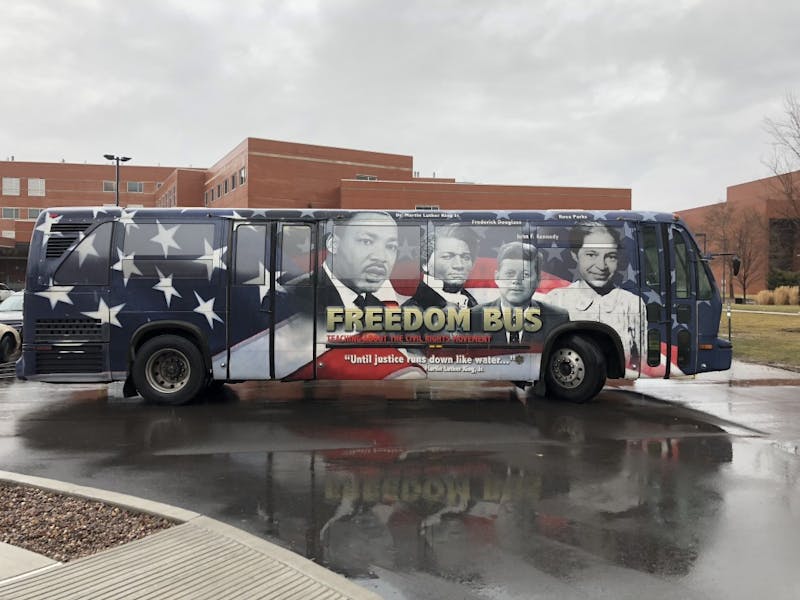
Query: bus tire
[215,385]
[169,369]
[575,369]
[7,348]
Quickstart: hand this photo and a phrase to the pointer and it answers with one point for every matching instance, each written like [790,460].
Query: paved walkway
[766,312]
[200,558]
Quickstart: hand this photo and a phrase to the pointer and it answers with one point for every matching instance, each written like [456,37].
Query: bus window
[652,276]
[251,260]
[681,268]
[88,262]
[183,250]
[406,273]
[295,258]
[178,240]
[653,347]
[486,274]
[704,288]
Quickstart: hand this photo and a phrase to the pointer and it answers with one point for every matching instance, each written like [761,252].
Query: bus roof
[104,213]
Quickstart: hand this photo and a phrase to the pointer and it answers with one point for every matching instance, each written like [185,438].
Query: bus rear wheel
[168,369]
[8,348]
[575,370]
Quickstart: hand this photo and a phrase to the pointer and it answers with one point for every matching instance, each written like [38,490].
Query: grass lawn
[767,339]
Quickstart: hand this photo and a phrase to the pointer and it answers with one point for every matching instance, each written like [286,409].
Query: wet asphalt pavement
[662,489]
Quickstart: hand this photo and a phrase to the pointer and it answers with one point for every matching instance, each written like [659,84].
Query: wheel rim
[167,370]
[568,368]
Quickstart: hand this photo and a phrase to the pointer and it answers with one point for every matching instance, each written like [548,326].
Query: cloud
[666,98]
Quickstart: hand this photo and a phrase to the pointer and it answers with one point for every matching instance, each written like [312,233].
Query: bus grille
[70,359]
[53,330]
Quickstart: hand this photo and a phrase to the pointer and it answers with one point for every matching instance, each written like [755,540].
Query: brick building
[261,173]
[763,206]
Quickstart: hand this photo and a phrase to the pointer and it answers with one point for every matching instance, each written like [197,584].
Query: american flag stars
[212,258]
[85,248]
[106,314]
[126,265]
[165,285]
[57,293]
[166,238]
[206,308]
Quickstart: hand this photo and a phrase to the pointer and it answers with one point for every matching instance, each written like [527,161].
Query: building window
[109,186]
[426,207]
[169,199]
[226,186]
[233,182]
[10,213]
[35,187]
[212,194]
[367,177]
[10,186]
[135,187]
[219,190]
[242,175]
[33,212]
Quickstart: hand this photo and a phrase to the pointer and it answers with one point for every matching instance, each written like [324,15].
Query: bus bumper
[716,358]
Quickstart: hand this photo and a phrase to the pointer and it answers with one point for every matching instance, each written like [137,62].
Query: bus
[174,301]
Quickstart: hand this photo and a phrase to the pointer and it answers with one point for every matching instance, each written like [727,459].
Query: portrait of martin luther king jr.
[361,253]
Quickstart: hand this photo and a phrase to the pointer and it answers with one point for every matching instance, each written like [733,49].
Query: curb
[182,516]
[132,503]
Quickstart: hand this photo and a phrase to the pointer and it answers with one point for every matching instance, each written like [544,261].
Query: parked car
[11,311]
[10,343]
[5,291]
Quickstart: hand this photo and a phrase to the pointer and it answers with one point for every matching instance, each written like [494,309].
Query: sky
[667,98]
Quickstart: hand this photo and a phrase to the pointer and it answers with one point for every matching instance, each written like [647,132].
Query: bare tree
[749,235]
[740,232]
[718,235]
[784,163]
[717,226]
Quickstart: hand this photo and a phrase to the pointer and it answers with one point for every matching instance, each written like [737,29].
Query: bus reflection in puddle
[442,487]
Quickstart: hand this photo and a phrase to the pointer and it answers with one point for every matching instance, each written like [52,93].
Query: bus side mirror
[736,263]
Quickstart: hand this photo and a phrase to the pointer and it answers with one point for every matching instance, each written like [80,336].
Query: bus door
[684,300]
[270,326]
[670,295]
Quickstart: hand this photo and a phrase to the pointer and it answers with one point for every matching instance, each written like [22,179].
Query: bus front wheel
[575,370]
[168,369]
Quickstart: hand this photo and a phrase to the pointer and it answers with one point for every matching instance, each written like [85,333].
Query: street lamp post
[117,160]
[733,271]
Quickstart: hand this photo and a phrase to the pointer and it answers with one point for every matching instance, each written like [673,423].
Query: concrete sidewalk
[199,558]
